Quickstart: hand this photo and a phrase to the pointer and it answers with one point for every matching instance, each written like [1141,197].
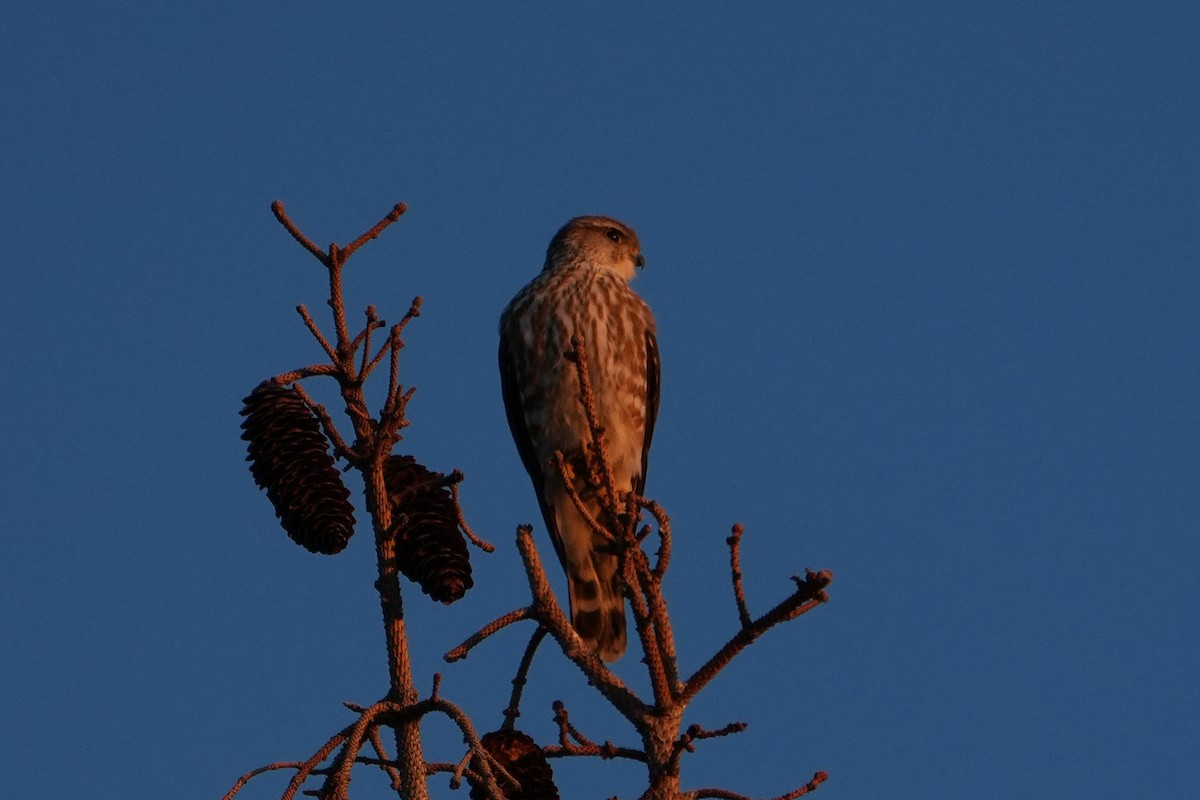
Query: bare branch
[302,310]
[303,768]
[462,521]
[385,763]
[687,740]
[568,476]
[514,703]
[606,751]
[663,523]
[460,652]
[345,355]
[305,242]
[567,731]
[601,461]
[391,346]
[363,340]
[340,447]
[394,714]
[460,769]
[809,594]
[735,565]
[649,622]
[573,743]
[414,311]
[242,781]
[391,217]
[695,733]
[392,420]
[339,778]
[313,371]
[724,794]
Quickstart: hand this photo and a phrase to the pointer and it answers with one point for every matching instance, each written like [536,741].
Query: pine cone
[289,457]
[430,550]
[523,759]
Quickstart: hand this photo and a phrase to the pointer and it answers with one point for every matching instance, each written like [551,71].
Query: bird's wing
[510,387]
[653,378]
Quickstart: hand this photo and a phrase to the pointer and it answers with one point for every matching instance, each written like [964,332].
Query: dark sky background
[926,282]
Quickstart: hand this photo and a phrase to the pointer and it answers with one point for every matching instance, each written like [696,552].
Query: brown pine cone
[523,759]
[289,457]
[430,550]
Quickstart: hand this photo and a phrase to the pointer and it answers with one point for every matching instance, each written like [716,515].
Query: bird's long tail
[597,607]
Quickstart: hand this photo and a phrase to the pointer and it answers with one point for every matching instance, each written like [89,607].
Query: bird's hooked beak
[639,260]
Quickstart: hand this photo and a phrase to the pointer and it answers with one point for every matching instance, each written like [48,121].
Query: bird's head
[601,241]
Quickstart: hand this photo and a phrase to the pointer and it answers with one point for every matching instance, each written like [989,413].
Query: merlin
[583,290]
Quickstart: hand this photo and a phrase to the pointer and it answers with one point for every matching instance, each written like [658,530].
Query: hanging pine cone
[523,759]
[430,550]
[289,457]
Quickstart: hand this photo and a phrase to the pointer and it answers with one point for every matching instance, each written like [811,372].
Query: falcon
[583,290]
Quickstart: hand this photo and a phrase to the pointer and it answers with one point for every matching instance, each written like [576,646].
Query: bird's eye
[613,234]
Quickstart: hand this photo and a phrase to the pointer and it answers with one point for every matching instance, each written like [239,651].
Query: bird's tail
[597,607]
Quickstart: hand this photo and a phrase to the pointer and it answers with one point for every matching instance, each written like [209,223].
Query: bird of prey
[583,290]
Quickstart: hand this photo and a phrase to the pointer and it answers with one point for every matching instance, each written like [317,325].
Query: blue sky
[925,276]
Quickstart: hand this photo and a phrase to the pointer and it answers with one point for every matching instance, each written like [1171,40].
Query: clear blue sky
[926,280]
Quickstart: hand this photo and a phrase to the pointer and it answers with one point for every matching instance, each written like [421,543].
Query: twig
[647,620]
[363,340]
[311,324]
[663,523]
[567,731]
[386,764]
[392,421]
[808,595]
[600,461]
[305,242]
[313,371]
[391,217]
[339,444]
[391,346]
[456,775]
[582,746]
[687,740]
[462,521]
[242,781]
[303,768]
[336,262]
[460,652]
[414,311]
[568,476]
[695,733]
[735,565]
[459,769]
[514,703]
[725,794]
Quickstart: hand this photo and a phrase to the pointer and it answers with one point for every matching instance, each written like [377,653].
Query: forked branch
[613,517]
[351,361]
